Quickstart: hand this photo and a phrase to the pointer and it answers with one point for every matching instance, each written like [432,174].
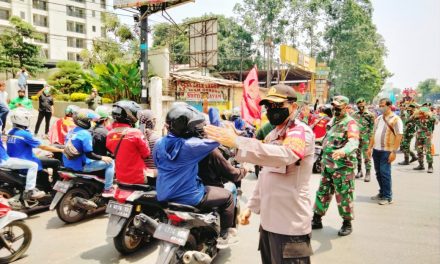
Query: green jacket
[17,101]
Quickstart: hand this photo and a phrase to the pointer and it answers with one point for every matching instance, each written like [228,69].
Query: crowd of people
[188,165]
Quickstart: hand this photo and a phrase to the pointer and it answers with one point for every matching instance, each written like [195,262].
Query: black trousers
[42,177]
[46,116]
[283,249]
[222,199]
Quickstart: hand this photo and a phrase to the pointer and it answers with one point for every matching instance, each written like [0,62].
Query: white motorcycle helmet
[21,117]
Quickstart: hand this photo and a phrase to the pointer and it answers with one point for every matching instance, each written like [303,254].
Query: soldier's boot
[405,161]
[317,221]
[413,157]
[430,169]
[367,176]
[420,167]
[346,228]
[359,174]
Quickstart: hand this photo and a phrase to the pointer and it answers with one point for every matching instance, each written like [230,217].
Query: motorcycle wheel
[10,234]
[6,193]
[127,243]
[65,210]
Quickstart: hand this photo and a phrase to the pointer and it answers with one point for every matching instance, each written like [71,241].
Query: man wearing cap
[365,121]
[281,196]
[21,101]
[94,100]
[425,123]
[408,133]
[339,164]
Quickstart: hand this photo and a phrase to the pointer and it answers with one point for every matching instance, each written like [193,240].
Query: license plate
[122,210]
[172,234]
[62,186]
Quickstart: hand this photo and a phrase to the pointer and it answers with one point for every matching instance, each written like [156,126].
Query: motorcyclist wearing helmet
[99,131]
[147,123]
[177,156]
[88,161]
[62,126]
[20,144]
[127,143]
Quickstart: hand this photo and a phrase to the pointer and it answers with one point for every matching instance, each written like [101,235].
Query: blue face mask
[382,109]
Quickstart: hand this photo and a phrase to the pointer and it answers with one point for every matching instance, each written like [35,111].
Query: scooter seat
[136,187]
[183,207]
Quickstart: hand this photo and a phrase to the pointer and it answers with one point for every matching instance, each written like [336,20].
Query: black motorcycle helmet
[125,112]
[184,121]
[83,118]
[327,109]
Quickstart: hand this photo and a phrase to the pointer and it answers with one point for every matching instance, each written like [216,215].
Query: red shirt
[319,125]
[129,162]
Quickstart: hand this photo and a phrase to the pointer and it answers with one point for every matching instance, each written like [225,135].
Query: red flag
[59,130]
[250,108]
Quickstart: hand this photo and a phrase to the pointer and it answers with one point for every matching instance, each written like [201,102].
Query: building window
[103,33]
[76,11]
[22,15]
[93,13]
[103,4]
[6,1]
[45,38]
[40,20]
[39,4]
[78,1]
[75,42]
[4,14]
[94,28]
[75,27]
[73,56]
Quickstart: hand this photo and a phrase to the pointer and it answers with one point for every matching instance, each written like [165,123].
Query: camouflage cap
[360,100]
[340,100]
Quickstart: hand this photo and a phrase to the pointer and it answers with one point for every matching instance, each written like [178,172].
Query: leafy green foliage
[115,47]
[78,97]
[116,81]
[16,51]
[428,88]
[355,50]
[69,78]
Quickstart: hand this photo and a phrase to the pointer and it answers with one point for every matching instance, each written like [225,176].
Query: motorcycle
[15,235]
[132,200]
[78,195]
[12,186]
[189,236]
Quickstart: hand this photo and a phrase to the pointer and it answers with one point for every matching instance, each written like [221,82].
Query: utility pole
[241,61]
[144,55]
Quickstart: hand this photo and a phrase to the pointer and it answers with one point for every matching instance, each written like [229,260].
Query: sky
[411,29]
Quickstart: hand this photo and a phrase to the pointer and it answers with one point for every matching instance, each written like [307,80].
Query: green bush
[78,97]
[107,100]
[62,97]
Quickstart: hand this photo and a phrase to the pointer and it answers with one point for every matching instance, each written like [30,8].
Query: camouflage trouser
[405,145]
[362,151]
[423,144]
[342,184]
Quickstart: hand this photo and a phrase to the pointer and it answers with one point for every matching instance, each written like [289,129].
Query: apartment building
[68,26]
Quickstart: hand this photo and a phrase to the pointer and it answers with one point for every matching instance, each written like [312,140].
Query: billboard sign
[203,43]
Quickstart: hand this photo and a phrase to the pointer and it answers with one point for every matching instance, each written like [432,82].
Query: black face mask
[336,111]
[277,116]
[21,96]
[361,108]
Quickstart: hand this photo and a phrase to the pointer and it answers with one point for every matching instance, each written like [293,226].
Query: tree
[117,81]
[428,88]
[15,50]
[234,43]
[355,51]
[69,78]
[116,47]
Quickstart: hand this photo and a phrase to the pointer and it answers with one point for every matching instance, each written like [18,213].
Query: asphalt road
[408,231]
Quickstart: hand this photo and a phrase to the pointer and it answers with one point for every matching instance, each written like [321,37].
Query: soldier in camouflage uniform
[339,163]
[365,120]
[425,123]
[408,120]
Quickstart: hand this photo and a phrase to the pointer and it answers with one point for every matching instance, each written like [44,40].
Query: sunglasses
[272,105]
